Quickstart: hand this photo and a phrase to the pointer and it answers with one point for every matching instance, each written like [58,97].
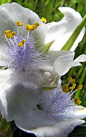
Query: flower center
[21,50]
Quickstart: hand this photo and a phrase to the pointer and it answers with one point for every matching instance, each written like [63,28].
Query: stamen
[29,27]
[36,25]
[73,86]
[71,80]
[65,88]
[21,43]
[7,31]
[13,33]
[77,101]
[80,87]
[8,34]
[32,27]
[19,23]
[44,19]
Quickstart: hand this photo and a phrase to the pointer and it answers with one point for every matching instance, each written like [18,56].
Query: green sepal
[74,35]
[5,129]
[46,47]
[4,125]
[46,88]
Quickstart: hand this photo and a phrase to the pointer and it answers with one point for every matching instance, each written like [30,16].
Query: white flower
[24,68]
[55,115]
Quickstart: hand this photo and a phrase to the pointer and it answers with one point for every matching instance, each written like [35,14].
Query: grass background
[49,10]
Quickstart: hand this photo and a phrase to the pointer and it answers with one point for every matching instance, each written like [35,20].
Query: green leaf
[74,36]
[46,47]
[79,131]
[5,1]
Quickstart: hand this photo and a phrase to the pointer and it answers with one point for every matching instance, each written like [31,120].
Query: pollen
[71,80]
[65,88]
[80,87]
[77,101]
[19,23]
[43,19]
[73,86]
[21,43]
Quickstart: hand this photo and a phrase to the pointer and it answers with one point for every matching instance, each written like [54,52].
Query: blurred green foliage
[49,10]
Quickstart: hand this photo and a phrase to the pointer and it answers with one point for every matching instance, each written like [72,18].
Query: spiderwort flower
[25,67]
[56,113]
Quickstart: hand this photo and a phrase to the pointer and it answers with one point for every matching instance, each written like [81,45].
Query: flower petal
[63,63]
[81,58]
[40,126]
[19,93]
[17,12]
[62,30]
[53,55]
[47,65]
[61,129]
[3,58]
[6,23]
[60,105]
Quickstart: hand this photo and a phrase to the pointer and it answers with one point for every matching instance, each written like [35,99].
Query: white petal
[19,93]
[17,12]
[42,126]
[6,23]
[62,30]
[61,129]
[63,63]
[81,58]
[3,58]
[59,105]
[72,112]
[47,65]
[53,55]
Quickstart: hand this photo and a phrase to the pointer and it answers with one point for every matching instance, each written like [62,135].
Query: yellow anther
[8,34]
[71,80]
[29,27]
[80,87]
[77,101]
[73,86]
[21,43]
[44,19]
[7,31]
[19,23]
[65,88]
[36,25]
[32,27]
[13,33]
